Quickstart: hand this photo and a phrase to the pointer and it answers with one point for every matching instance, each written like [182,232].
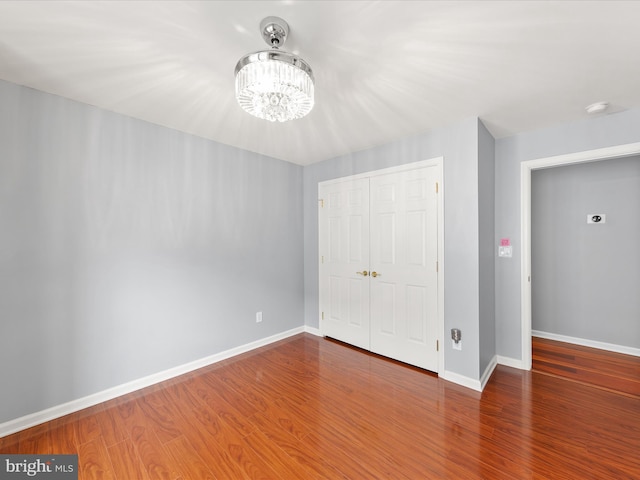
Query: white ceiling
[384,69]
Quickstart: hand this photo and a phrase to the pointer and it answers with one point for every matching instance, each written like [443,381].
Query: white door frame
[526,167]
[433,162]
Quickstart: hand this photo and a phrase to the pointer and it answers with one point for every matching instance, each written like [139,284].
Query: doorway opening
[525,188]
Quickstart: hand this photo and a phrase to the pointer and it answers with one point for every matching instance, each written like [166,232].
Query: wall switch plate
[506,252]
[456,346]
[258,317]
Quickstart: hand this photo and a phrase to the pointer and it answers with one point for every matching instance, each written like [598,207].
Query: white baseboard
[511,362]
[36,418]
[477,385]
[588,343]
[313,331]
[488,371]
[461,380]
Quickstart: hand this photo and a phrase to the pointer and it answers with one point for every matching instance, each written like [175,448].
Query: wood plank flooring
[311,408]
[599,368]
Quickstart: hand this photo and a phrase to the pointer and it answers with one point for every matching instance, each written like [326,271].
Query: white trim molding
[313,331]
[57,411]
[511,362]
[484,379]
[461,380]
[611,347]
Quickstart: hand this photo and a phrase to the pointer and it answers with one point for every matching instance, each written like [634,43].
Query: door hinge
[322,316]
[436,187]
[437,267]
[322,259]
[321,202]
[437,345]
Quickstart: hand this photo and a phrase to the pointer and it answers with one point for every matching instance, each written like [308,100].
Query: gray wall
[458,145]
[487,246]
[128,248]
[586,278]
[599,132]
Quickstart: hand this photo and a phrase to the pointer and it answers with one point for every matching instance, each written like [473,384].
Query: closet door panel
[403,260]
[344,256]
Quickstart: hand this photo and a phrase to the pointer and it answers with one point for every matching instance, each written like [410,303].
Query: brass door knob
[375,274]
[363,273]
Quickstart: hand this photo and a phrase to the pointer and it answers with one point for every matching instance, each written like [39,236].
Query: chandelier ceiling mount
[274,31]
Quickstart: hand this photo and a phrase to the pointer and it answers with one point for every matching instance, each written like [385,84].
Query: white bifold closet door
[378,264]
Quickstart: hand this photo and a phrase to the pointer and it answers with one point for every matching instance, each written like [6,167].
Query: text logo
[49,467]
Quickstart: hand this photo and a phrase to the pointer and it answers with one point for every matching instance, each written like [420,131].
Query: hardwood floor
[599,368]
[311,408]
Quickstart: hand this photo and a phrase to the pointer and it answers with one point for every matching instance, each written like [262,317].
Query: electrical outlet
[258,317]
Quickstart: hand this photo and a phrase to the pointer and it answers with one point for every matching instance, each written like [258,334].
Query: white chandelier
[273,84]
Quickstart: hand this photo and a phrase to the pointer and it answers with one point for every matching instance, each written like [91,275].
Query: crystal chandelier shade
[274,85]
